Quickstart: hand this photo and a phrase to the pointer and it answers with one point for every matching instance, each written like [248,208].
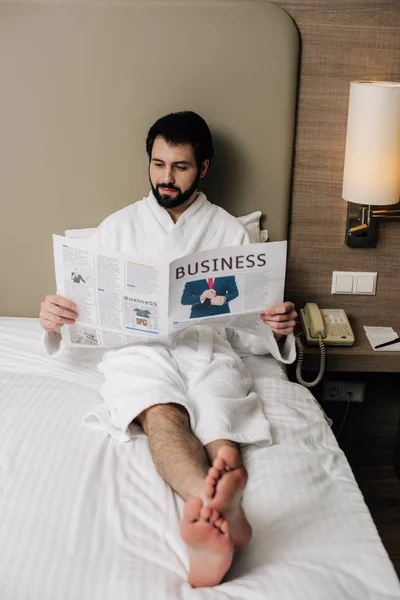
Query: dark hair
[185,127]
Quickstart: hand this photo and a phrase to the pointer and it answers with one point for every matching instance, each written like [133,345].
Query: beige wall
[341,40]
[76,115]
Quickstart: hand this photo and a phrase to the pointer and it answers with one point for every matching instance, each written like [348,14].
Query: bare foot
[210,545]
[224,486]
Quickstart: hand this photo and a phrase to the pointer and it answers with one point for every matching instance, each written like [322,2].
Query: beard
[166,201]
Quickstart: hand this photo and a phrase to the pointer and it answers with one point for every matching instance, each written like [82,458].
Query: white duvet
[84,517]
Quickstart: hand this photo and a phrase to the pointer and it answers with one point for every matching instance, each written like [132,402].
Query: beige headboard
[83,81]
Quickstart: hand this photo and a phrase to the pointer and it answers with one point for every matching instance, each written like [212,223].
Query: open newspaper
[120,297]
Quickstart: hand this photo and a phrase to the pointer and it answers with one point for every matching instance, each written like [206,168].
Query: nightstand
[371,432]
[360,357]
[367,432]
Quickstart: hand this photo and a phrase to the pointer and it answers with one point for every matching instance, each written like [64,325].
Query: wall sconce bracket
[361,229]
[356,217]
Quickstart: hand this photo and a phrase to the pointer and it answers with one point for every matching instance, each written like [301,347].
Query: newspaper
[119,297]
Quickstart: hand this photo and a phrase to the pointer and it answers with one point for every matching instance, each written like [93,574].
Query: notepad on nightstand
[380,335]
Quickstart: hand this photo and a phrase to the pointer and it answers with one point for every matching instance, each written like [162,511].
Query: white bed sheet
[83,517]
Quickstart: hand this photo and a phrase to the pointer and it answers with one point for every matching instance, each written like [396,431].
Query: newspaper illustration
[120,297]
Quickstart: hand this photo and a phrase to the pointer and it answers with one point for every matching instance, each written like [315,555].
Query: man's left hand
[281,318]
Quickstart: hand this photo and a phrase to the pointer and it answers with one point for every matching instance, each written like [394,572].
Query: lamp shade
[372,159]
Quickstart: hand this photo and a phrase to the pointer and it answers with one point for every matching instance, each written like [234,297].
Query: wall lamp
[372,160]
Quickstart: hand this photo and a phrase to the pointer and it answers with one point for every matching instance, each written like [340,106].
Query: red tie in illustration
[210,282]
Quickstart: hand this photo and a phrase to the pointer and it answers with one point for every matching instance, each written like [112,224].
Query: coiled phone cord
[300,358]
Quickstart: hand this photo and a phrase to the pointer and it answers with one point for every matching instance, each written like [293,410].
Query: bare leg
[177,454]
[182,462]
[224,486]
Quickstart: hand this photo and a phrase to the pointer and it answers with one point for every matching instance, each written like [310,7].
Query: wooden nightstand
[359,357]
[369,431]
[372,431]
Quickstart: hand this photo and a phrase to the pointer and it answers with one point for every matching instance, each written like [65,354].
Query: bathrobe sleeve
[52,343]
[246,344]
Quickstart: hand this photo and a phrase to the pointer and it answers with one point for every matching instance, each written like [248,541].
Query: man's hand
[210,294]
[281,318]
[218,300]
[56,311]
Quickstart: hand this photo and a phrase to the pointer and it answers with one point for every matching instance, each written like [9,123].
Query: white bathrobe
[201,369]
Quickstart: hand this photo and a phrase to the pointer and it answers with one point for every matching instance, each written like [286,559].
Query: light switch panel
[350,282]
[344,284]
[365,284]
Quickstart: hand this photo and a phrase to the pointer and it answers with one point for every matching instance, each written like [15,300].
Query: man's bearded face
[173,173]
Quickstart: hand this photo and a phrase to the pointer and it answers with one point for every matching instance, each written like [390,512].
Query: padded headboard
[82,82]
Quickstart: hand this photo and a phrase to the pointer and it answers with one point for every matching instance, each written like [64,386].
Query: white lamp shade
[372,159]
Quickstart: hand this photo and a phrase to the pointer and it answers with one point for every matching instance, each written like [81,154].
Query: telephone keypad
[339,330]
[337,325]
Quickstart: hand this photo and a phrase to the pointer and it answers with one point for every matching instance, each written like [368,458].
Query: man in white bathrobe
[193,397]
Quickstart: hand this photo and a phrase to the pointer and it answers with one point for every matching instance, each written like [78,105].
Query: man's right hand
[56,311]
[207,294]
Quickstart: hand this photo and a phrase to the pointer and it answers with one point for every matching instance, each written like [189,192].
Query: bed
[86,517]
[82,515]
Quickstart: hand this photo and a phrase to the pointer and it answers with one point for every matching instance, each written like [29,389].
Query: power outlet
[355,391]
[343,391]
[333,391]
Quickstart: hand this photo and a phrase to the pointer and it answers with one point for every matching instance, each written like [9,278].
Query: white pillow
[79,233]
[251,222]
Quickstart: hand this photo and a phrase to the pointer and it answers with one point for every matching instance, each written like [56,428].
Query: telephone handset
[329,326]
[312,321]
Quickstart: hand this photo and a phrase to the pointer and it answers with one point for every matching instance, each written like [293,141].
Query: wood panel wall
[341,41]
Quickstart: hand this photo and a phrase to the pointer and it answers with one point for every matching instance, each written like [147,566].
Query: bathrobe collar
[164,218]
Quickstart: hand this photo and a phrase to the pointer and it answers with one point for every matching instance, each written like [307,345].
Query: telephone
[328,326]
[331,323]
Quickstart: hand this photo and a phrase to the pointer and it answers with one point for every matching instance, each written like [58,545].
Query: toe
[219,464]
[213,473]
[205,513]
[192,509]
[209,490]
[211,480]
[214,516]
[230,456]
[224,527]
[219,522]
